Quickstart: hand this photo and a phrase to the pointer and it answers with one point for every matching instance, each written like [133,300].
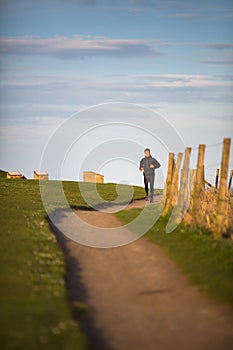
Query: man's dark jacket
[145,164]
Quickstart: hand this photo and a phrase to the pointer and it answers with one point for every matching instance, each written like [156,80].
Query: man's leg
[152,180]
[146,184]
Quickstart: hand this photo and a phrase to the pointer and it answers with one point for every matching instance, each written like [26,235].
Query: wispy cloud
[218,46]
[134,10]
[181,80]
[185,15]
[143,3]
[217,53]
[137,80]
[80,46]
[227,61]
[84,46]
[141,88]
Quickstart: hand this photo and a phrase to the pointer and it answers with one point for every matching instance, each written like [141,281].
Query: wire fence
[213,154]
[202,168]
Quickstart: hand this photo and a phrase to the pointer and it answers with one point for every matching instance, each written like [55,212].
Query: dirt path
[138,299]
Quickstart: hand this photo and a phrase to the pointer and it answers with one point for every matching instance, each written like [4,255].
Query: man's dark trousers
[146,184]
[149,179]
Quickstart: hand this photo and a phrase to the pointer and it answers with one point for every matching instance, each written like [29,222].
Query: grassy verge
[207,262]
[107,192]
[34,309]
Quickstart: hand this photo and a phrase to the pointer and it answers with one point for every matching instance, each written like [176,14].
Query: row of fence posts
[184,185]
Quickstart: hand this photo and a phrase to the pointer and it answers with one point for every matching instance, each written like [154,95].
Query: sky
[59,57]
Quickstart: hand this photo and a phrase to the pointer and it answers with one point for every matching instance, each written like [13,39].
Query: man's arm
[141,166]
[156,163]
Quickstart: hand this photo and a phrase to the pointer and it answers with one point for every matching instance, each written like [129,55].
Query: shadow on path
[78,292]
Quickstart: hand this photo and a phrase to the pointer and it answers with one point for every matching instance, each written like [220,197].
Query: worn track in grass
[138,298]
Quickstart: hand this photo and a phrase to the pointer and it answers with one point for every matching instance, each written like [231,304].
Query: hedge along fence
[196,199]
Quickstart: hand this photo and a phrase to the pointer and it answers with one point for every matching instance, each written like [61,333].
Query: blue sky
[59,56]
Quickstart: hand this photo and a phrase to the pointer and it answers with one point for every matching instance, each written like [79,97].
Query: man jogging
[148,164]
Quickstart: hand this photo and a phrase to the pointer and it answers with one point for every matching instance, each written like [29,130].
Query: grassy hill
[35,313]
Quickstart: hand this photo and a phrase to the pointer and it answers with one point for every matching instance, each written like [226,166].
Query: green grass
[207,262]
[109,192]
[35,313]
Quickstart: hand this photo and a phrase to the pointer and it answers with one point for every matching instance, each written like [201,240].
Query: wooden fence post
[168,184]
[221,216]
[175,178]
[230,180]
[199,185]
[182,197]
[216,178]
[192,181]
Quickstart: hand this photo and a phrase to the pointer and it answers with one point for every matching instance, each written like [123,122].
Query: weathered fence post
[172,182]
[216,178]
[168,184]
[199,185]
[221,216]
[175,178]
[191,183]
[230,180]
[184,179]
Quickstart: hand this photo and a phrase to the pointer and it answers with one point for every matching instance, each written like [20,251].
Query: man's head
[147,152]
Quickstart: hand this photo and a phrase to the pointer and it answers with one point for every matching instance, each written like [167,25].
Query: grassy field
[35,313]
[207,262]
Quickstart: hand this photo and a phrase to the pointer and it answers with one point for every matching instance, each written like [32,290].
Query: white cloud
[184,80]
[80,46]
[64,91]
[143,81]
